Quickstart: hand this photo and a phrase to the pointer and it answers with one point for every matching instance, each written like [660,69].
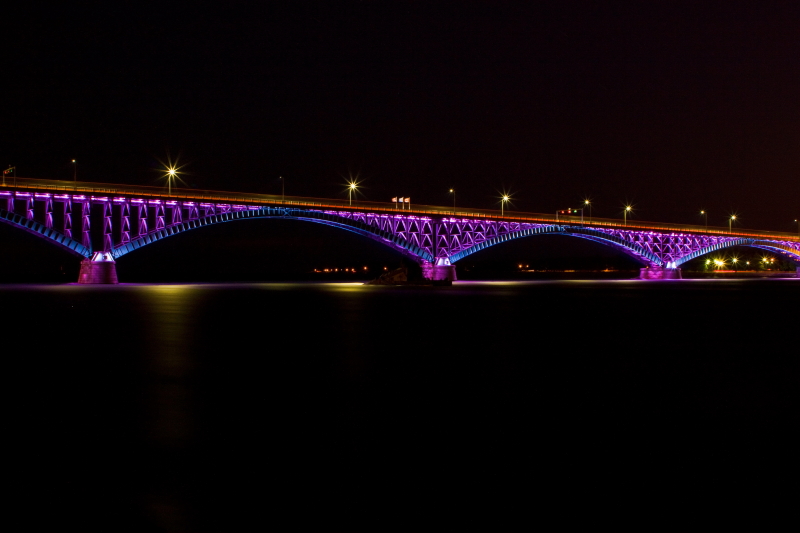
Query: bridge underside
[123,225]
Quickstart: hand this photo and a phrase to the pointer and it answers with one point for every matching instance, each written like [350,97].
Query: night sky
[672,106]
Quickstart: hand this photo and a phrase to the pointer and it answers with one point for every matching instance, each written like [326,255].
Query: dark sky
[674,106]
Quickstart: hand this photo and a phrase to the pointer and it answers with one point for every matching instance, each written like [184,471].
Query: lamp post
[453,192]
[171,172]
[503,204]
[74,171]
[283,195]
[589,204]
[730,223]
[705,215]
[625,214]
[350,190]
[797,221]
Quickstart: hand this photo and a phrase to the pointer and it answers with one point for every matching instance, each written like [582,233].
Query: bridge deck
[56,186]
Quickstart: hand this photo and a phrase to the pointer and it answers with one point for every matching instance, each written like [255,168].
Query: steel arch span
[627,246]
[129,223]
[320,217]
[788,250]
[657,250]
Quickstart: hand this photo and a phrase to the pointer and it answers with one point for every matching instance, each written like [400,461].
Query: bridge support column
[659,272]
[100,269]
[441,272]
[798,272]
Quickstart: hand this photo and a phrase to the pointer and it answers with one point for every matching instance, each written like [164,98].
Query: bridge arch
[631,249]
[329,219]
[787,251]
[42,231]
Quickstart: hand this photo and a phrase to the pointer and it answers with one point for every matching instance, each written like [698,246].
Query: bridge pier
[442,271]
[100,269]
[659,272]
[798,272]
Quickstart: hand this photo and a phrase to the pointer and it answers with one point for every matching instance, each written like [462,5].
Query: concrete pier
[442,271]
[100,269]
[657,272]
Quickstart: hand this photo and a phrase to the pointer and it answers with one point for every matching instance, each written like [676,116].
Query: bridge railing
[381,207]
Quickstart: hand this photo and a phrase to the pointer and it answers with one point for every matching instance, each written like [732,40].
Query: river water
[549,405]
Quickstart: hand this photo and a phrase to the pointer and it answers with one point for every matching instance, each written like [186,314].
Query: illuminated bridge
[102,222]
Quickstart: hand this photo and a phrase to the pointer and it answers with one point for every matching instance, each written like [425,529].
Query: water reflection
[167,314]
[220,407]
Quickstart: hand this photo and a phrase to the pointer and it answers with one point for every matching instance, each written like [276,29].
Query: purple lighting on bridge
[128,223]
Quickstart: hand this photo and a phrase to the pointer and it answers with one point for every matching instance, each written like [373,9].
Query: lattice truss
[441,238]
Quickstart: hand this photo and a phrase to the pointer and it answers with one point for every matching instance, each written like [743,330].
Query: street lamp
[505,199]
[797,221]
[588,203]
[171,173]
[730,223]
[283,183]
[74,171]
[705,215]
[453,192]
[350,189]
[627,210]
